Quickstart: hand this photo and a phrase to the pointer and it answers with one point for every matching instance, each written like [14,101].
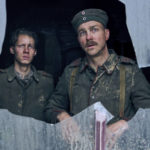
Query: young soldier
[23,89]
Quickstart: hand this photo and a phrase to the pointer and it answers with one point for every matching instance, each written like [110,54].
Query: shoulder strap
[72,79]
[122,90]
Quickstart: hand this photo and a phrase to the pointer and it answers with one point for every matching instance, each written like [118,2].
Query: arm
[140,90]
[139,93]
[114,131]
[59,101]
[63,116]
[117,126]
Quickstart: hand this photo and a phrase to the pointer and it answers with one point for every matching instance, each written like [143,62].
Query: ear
[107,34]
[12,50]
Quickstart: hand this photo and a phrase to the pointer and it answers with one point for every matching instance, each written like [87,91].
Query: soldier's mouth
[25,57]
[91,45]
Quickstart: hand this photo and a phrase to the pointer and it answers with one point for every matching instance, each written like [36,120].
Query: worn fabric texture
[90,15]
[27,99]
[104,86]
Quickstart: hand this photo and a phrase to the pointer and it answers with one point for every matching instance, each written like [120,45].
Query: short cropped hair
[22,31]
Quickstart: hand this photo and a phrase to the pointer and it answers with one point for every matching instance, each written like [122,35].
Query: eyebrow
[82,29]
[95,26]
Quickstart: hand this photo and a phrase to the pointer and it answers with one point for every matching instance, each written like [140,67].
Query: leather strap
[122,88]
[122,91]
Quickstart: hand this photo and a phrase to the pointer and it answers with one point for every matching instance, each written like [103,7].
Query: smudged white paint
[138,22]
[2,22]
[76,133]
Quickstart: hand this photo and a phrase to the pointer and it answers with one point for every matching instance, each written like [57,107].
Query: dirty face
[92,37]
[24,50]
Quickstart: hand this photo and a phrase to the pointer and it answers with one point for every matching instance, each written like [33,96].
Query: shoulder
[65,77]
[69,68]
[3,74]
[45,78]
[2,71]
[44,74]
[75,63]
[126,61]
[130,65]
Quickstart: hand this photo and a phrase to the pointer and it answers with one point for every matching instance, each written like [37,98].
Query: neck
[99,60]
[23,70]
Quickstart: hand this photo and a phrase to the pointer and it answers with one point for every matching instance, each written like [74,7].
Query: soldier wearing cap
[24,90]
[101,75]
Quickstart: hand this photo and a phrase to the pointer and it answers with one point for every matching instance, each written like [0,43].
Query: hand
[114,131]
[63,116]
[69,128]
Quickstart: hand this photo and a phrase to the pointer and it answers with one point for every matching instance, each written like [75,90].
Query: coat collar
[111,62]
[109,65]
[11,74]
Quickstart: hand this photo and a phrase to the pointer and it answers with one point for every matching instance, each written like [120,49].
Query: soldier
[23,89]
[101,75]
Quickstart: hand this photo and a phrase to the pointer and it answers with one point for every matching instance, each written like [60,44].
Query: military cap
[90,15]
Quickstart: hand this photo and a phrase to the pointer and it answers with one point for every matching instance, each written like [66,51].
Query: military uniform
[27,99]
[104,86]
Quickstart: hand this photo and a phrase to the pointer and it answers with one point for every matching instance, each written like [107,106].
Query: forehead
[89,24]
[25,38]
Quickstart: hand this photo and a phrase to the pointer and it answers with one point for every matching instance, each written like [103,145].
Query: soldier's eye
[94,30]
[21,46]
[82,33]
[30,47]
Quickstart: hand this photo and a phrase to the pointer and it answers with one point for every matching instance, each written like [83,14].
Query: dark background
[58,45]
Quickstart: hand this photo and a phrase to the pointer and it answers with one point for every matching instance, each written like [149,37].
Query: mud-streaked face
[24,50]
[92,37]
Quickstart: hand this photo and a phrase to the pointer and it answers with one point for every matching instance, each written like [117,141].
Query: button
[84,18]
[20,104]
[92,96]
[83,12]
